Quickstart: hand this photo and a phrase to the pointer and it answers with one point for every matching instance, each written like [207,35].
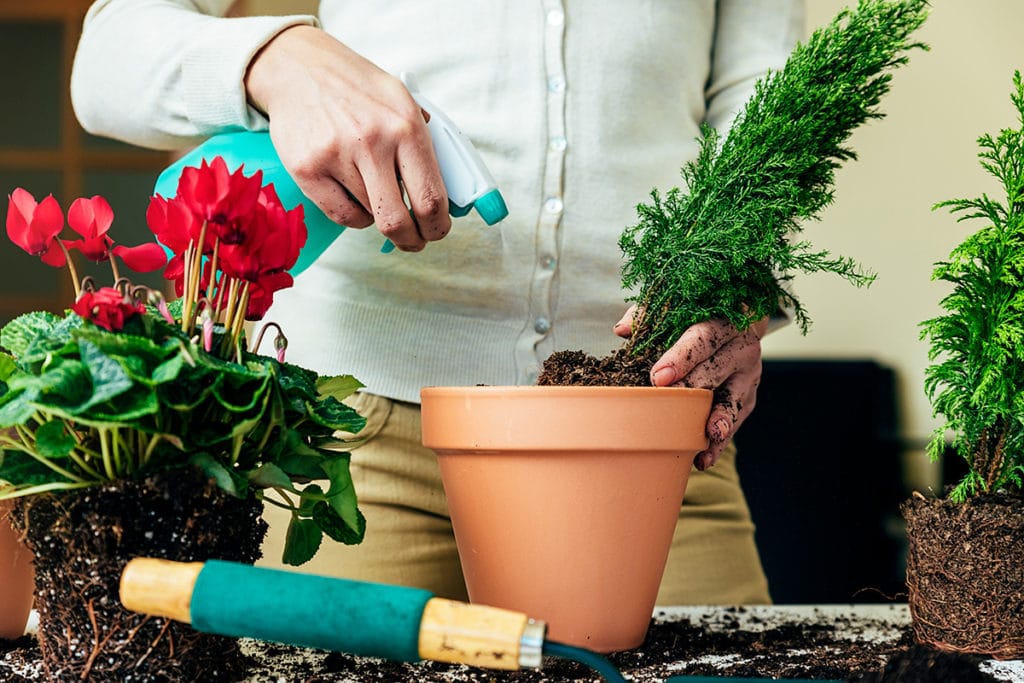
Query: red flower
[34,227]
[175,226]
[261,293]
[217,196]
[143,258]
[91,218]
[106,307]
[274,237]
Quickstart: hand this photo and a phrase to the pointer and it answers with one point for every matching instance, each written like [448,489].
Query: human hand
[351,136]
[712,355]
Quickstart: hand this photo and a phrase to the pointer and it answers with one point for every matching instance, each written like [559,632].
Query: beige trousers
[409,537]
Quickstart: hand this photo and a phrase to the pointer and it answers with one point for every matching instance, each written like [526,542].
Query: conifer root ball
[965,578]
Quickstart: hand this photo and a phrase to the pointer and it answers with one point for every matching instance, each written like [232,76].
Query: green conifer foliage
[725,247]
[976,381]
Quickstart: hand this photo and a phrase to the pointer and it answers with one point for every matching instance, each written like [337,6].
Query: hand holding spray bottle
[468,181]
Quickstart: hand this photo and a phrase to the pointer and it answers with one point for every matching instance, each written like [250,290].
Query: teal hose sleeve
[368,619]
[595,661]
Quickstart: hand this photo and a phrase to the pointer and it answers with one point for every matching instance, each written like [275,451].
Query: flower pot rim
[549,390]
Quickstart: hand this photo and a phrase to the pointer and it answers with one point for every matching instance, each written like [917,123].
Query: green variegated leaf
[340,387]
[226,479]
[18,334]
[7,367]
[53,440]
[169,370]
[301,541]
[21,470]
[342,494]
[337,528]
[123,345]
[17,407]
[269,476]
[109,378]
[335,415]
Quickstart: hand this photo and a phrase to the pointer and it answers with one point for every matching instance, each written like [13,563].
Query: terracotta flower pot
[15,579]
[564,499]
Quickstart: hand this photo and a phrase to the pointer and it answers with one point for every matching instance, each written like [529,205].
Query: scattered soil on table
[965,577]
[842,650]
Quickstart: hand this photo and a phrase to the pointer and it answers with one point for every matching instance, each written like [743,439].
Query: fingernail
[707,461]
[721,429]
[664,377]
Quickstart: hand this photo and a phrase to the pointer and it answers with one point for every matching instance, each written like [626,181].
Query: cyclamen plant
[125,384]
[977,346]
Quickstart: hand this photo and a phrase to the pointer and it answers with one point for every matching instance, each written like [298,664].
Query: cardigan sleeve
[751,38]
[167,73]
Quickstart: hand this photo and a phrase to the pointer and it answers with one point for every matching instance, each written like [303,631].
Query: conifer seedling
[726,247]
[976,381]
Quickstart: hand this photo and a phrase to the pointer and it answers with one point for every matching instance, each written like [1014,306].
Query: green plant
[977,346]
[123,385]
[725,248]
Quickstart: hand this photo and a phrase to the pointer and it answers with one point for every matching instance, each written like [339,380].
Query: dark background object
[819,460]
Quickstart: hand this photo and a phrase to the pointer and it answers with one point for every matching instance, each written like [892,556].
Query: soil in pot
[965,577]
[82,539]
[617,369]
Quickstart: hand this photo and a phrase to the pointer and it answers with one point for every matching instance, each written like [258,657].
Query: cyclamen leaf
[19,334]
[342,494]
[301,541]
[301,466]
[225,479]
[337,528]
[335,415]
[53,440]
[65,384]
[340,387]
[59,342]
[124,345]
[18,407]
[7,367]
[269,475]
[23,470]
[109,378]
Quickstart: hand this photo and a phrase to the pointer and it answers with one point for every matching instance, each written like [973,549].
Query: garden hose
[359,618]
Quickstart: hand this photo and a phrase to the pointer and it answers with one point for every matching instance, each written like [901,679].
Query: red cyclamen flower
[273,238]
[107,307]
[216,196]
[34,227]
[91,218]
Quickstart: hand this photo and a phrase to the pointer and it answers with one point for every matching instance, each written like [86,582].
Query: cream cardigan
[578,107]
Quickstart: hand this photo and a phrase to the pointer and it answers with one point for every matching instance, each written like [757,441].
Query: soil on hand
[617,369]
[965,576]
[83,539]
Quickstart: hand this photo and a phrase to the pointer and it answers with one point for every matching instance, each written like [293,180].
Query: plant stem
[71,268]
[108,465]
[26,439]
